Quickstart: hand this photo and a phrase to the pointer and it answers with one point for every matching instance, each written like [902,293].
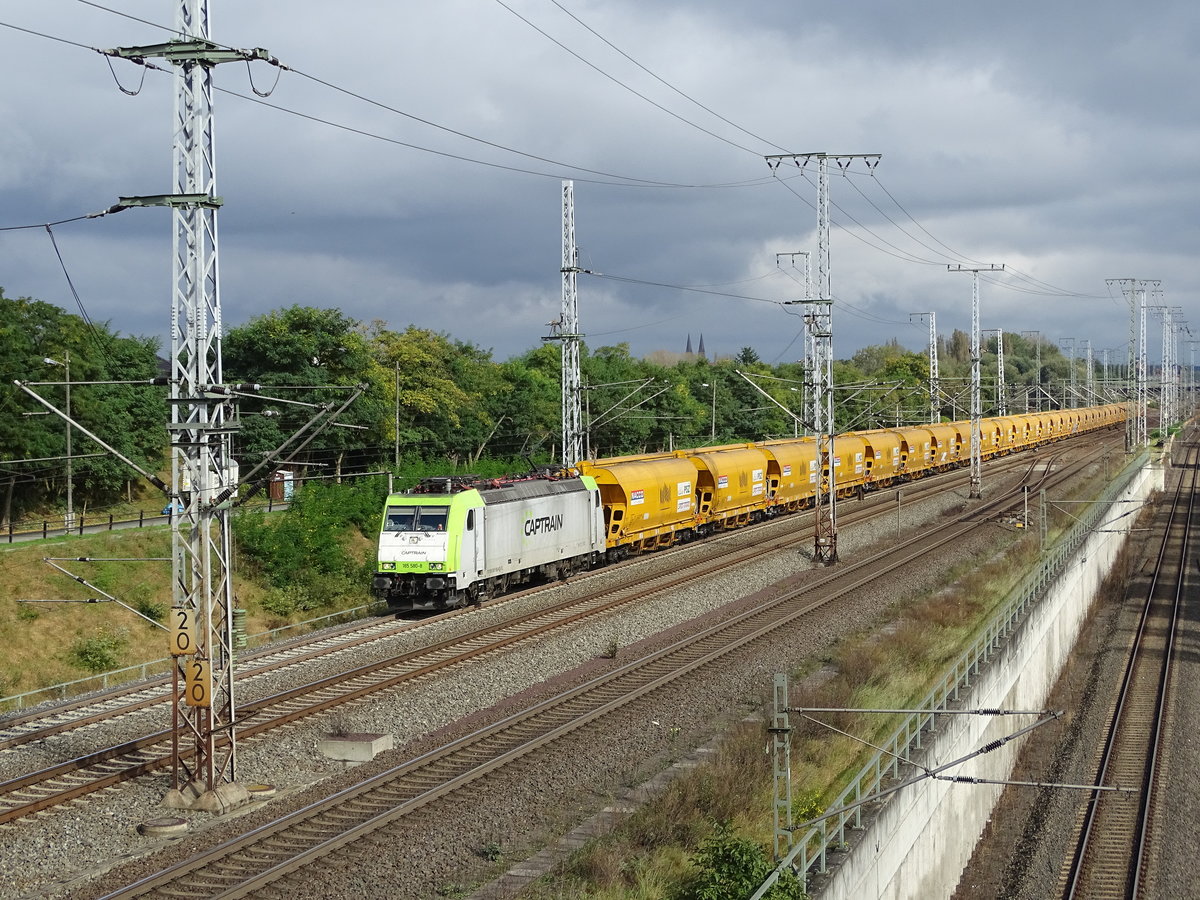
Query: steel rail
[139,755]
[1112,837]
[245,864]
[66,781]
[59,784]
[24,728]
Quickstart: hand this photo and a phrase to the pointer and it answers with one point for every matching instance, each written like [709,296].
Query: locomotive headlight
[390,566]
[436,567]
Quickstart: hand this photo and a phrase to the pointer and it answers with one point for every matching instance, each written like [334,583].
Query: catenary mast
[976,400]
[819,327]
[566,330]
[934,389]
[203,471]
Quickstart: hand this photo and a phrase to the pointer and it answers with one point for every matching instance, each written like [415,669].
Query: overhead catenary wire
[1042,288]
[602,176]
[662,81]
[622,84]
[95,334]
[610,177]
[956,256]
[678,287]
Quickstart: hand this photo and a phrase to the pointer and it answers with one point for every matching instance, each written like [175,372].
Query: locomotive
[459,540]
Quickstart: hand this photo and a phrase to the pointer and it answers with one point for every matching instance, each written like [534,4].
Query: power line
[899,254]
[1050,289]
[678,287]
[623,85]
[663,81]
[624,180]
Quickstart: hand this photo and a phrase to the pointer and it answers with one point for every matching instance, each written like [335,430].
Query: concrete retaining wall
[923,836]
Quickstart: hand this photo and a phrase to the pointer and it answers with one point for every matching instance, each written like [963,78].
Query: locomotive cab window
[416,518]
[400,518]
[432,518]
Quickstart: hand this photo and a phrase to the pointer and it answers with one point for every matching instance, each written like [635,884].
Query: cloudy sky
[409,165]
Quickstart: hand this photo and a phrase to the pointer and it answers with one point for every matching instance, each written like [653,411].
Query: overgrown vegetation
[712,828]
[730,867]
[307,556]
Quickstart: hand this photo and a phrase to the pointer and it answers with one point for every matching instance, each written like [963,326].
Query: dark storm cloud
[1055,138]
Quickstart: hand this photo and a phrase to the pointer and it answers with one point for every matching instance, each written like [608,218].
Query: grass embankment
[290,567]
[48,643]
[663,850]
[308,561]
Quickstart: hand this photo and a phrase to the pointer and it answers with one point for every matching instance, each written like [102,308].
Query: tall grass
[651,855]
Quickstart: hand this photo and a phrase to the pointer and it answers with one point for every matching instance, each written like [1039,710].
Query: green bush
[98,652]
[729,867]
[304,549]
[151,609]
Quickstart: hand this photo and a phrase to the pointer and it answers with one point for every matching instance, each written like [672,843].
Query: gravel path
[59,854]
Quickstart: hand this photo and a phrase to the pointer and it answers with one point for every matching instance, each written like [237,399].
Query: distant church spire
[700,350]
[689,344]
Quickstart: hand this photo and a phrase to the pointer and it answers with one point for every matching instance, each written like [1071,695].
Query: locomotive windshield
[416,518]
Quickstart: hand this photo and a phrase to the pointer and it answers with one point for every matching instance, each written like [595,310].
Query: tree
[306,358]
[960,346]
[426,369]
[531,403]
[130,417]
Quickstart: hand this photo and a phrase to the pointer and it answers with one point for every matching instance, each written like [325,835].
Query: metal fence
[82,523]
[811,851]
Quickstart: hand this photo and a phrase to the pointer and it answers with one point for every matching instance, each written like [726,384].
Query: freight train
[459,540]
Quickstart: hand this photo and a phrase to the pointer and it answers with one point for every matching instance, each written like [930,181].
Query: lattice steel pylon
[1037,344]
[1071,370]
[566,331]
[1089,377]
[203,471]
[976,400]
[1168,391]
[819,327]
[808,397]
[935,414]
[1134,289]
[1001,389]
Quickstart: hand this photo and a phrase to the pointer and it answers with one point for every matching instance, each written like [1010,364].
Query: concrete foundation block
[360,746]
[219,800]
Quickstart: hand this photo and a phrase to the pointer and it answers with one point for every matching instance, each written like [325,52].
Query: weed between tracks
[665,850]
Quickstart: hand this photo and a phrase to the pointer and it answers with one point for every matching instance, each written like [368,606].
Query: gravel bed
[59,853]
[1028,839]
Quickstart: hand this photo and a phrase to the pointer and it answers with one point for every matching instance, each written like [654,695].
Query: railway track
[1116,832]
[415,790]
[37,725]
[76,777]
